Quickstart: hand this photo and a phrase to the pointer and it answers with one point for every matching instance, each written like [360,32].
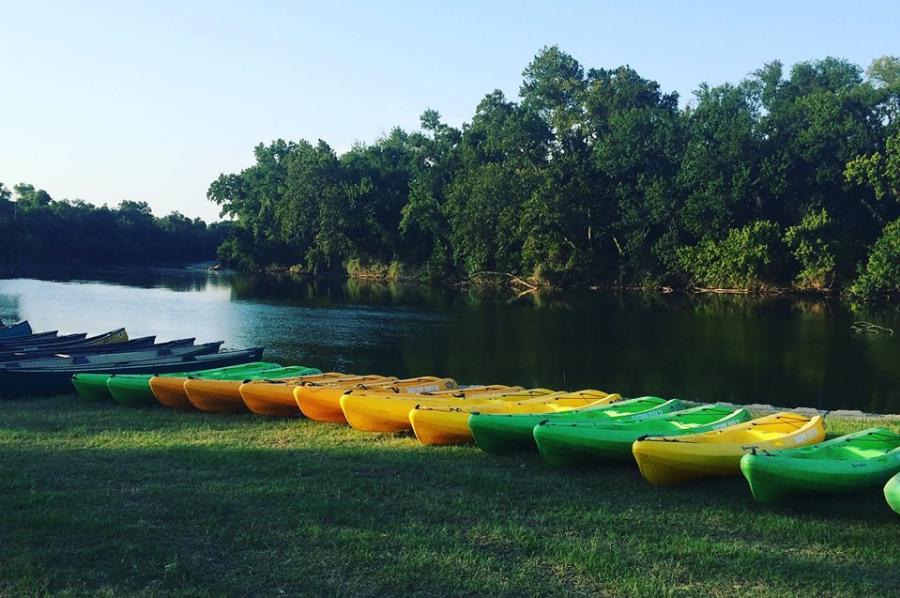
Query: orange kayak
[224,396]
[323,403]
[170,392]
[276,397]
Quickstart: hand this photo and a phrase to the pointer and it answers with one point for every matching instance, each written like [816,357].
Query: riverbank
[99,498]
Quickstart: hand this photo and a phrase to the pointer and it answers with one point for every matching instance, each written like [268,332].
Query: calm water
[782,351]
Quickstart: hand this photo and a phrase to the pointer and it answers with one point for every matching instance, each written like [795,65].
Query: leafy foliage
[597,176]
[748,257]
[36,229]
[881,276]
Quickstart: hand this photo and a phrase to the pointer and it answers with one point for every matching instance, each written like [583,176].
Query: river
[778,350]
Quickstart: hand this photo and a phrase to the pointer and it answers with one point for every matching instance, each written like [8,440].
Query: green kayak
[505,433]
[585,442]
[851,463]
[892,493]
[95,388]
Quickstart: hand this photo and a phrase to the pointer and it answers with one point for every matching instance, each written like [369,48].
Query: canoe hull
[504,433]
[446,427]
[672,460]
[587,442]
[499,434]
[844,465]
[131,391]
[215,396]
[775,479]
[92,386]
[276,400]
[892,493]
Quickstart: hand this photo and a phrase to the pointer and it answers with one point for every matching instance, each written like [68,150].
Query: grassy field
[105,499]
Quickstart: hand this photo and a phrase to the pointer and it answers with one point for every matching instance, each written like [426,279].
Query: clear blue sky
[151,101]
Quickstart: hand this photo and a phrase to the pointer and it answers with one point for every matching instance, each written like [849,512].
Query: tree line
[36,230]
[788,178]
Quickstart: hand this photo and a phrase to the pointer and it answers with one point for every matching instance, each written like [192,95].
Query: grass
[102,499]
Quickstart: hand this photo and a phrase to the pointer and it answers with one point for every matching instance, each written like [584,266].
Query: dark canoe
[59,361]
[37,382]
[146,342]
[16,330]
[40,337]
[44,338]
[113,338]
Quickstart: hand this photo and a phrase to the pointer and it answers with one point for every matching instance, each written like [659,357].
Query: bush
[814,253]
[881,276]
[747,258]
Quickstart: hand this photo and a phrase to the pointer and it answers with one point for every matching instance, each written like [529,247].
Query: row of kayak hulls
[670,443]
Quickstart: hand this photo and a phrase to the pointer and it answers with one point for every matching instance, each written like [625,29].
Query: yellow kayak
[378,412]
[441,425]
[323,403]
[675,459]
[276,397]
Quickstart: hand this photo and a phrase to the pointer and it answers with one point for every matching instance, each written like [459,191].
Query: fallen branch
[511,277]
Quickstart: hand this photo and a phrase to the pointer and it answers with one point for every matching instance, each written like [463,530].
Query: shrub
[809,244]
[747,258]
[881,276]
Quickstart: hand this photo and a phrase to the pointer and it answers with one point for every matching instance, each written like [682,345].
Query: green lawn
[105,499]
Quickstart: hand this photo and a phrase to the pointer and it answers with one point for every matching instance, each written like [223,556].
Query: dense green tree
[598,176]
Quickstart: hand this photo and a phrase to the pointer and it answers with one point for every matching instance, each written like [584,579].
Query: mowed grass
[100,498]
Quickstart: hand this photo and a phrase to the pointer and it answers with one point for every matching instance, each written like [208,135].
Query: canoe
[33,382]
[323,403]
[45,341]
[676,459]
[576,443]
[843,465]
[444,425]
[892,493]
[135,391]
[376,411]
[137,344]
[275,398]
[84,362]
[39,338]
[15,330]
[504,433]
[222,395]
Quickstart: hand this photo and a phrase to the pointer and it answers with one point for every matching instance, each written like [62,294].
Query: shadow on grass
[98,498]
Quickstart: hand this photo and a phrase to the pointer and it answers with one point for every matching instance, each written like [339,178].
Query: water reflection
[709,347]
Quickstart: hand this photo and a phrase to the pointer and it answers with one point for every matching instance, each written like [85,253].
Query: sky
[151,101]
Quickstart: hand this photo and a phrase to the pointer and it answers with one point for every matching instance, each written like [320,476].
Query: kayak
[323,403]
[892,493]
[46,381]
[223,395]
[275,398]
[449,424]
[846,464]
[377,412]
[505,433]
[15,330]
[591,441]
[676,459]
[135,391]
[169,390]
